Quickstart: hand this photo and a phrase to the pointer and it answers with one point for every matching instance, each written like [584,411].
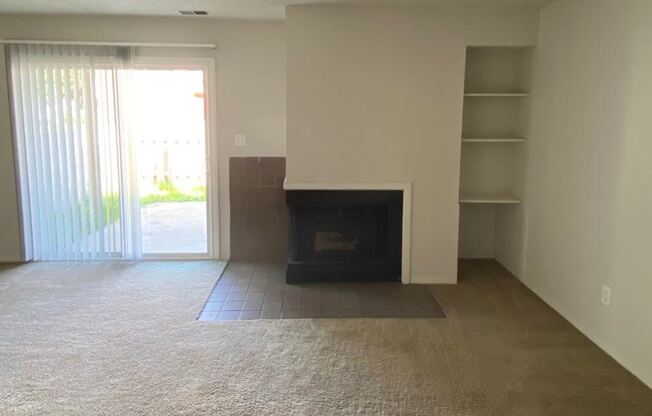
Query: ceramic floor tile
[250,291]
[270,314]
[212,306]
[245,315]
[228,315]
[232,306]
[208,316]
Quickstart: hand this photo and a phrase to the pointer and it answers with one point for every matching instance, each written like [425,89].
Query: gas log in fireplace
[339,236]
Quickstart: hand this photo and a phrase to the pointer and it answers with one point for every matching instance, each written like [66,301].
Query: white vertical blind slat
[71,161]
[92,166]
[111,162]
[50,184]
[20,128]
[103,151]
[54,138]
[48,155]
[130,203]
[36,163]
[79,166]
[62,146]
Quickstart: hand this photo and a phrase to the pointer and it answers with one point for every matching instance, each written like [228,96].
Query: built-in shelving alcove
[493,159]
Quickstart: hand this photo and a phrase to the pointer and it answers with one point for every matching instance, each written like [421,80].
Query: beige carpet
[121,339]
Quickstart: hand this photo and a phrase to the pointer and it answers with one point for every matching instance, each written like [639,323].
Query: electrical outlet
[606,295]
[240,140]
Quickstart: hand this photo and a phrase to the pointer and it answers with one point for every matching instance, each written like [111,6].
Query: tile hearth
[258,291]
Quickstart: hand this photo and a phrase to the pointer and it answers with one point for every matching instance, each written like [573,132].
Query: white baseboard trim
[433,280]
[406,187]
[10,259]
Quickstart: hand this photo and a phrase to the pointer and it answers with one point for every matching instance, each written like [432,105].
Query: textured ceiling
[245,9]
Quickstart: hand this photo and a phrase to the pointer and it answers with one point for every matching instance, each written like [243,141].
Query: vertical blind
[77,178]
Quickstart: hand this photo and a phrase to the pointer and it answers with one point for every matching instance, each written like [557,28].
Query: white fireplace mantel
[406,187]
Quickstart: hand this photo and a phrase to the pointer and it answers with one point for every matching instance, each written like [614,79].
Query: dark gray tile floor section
[259,291]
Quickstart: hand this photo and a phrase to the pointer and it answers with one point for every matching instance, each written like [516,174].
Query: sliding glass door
[170,133]
[112,153]
[78,201]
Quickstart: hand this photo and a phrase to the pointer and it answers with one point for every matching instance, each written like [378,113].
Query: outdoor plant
[170,193]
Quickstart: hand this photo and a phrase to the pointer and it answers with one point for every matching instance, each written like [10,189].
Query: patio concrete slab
[174,228]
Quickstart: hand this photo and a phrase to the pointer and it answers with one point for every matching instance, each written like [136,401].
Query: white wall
[590,183]
[477,231]
[375,95]
[250,58]
[10,243]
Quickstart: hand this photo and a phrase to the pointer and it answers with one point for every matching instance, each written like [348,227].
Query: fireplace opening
[345,236]
[334,241]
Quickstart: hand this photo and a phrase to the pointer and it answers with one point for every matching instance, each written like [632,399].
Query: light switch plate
[240,140]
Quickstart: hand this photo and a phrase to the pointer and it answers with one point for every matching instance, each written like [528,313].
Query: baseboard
[11,260]
[433,280]
[644,378]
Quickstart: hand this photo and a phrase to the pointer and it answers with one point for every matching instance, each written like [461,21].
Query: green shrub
[170,193]
[111,209]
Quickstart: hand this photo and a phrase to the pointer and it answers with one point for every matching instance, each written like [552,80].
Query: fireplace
[345,236]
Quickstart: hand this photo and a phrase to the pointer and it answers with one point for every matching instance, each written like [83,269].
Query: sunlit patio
[174,227]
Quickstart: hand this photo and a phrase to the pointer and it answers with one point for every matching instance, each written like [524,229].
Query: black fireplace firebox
[345,236]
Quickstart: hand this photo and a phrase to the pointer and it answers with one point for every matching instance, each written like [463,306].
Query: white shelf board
[492,140]
[496,94]
[469,198]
